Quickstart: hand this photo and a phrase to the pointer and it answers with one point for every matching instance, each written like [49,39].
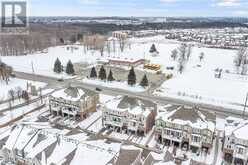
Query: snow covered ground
[197,83]
[16,83]
[43,63]
[116,85]
[18,112]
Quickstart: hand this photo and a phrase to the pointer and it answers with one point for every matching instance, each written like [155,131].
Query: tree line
[59,68]
[131,79]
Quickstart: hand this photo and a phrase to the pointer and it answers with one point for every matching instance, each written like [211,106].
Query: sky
[164,8]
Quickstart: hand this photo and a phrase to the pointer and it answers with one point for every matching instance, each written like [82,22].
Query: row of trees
[58,67]
[18,93]
[182,55]
[41,36]
[241,61]
[102,75]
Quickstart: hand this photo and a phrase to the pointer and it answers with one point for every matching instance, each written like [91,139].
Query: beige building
[129,114]
[73,102]
[186,127]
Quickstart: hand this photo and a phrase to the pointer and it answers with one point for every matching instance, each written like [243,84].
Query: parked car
[98,89]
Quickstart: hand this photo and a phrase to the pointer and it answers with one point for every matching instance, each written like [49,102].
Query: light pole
[246,101]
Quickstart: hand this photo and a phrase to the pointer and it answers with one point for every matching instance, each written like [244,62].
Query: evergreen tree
[110,76]
[57,66]
[131,77]
[153,49]
[144,82]
[102,73]
[93,73]
[70,68]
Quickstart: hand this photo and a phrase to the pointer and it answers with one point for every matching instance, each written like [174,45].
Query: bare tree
[201,56]
[182,58]
[18,91]
[5,72]
[182,51]
[95,42]
[174,54]
[25,96]
[240,57]
[12,95]
[189,51]
[241,61]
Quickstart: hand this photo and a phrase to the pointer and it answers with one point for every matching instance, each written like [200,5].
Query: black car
[98,89]
[60,80]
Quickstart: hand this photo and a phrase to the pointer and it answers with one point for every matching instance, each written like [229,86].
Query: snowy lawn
[16,83]
[43,63]
[15,113]
[116,85]
[105,98]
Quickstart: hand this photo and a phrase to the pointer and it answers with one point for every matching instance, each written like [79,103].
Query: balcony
[196,144]
[172,137]
[114,123]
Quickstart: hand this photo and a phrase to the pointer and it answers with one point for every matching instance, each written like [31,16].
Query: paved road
[52,82]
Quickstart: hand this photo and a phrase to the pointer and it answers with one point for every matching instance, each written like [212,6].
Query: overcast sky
[138,8]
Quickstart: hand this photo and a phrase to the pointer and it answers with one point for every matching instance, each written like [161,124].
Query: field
[197,82]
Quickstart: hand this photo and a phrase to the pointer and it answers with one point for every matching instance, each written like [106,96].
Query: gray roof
[74,131]
[132,102]
[74,92]
[40,138]
[152,160]
[127,156]
[69,157]
[192,114]
[48,151]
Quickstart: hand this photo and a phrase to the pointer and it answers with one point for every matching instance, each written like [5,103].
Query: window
[195,139]
[116,119]
[240,150]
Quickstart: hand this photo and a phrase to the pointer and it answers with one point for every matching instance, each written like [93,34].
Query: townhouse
[73,102]
[129,114]
[235,147]
[186,127]
[34,144]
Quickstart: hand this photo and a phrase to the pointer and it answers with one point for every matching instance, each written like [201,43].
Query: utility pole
[246,101]
[32,67]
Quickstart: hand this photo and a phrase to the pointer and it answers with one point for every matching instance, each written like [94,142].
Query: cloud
[227,3]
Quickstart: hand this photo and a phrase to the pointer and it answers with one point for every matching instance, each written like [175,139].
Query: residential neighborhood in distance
[91,82]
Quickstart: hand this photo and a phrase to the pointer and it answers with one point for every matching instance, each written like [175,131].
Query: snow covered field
[43,63]
[197,83]
[16,83]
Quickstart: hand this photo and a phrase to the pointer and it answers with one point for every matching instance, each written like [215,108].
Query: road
[53,82]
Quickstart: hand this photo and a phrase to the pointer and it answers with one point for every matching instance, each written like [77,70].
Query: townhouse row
[189,128]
